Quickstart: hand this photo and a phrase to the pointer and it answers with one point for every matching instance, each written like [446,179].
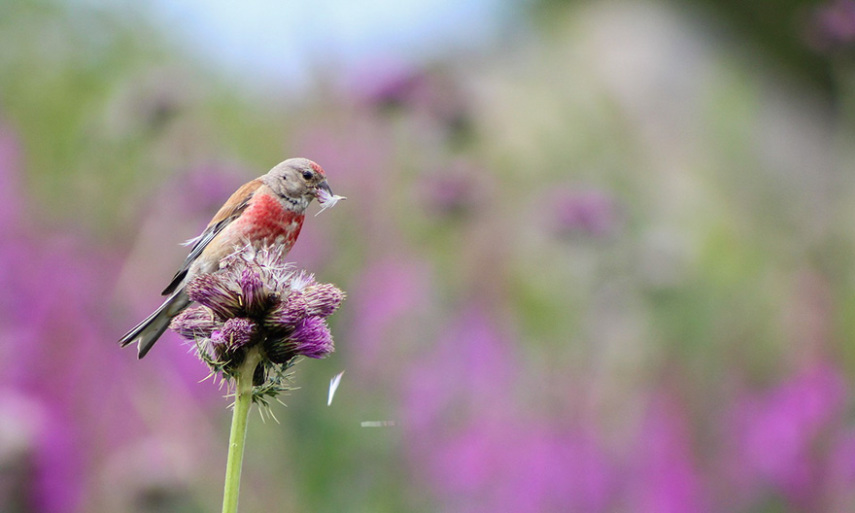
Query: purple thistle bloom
[588,212]
[312,338]
[832,27]
[450,194]
[666,477]
[433,95]
[216,294]
[238,332]
[303,301]
[396,89]
[257,299]
[216,338]
[776,432]
[289,312]
[456,189]
[322,299]
[194,322]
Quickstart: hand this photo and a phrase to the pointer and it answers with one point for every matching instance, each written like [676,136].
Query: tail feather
[149,330]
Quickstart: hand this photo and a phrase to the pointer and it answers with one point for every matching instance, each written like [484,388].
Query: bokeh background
[599,255]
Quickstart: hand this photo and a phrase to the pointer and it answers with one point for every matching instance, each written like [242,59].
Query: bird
[268,210]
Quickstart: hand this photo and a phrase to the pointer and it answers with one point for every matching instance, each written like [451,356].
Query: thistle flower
[592,213]
[831,28]
[258,301]
[312,338]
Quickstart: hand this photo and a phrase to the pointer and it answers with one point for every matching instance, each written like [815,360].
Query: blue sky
[266,39]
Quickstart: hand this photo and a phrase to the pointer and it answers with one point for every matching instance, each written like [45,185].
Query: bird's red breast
[260,218]
[266,220]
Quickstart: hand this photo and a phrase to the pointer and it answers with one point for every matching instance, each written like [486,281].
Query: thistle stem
[237,436]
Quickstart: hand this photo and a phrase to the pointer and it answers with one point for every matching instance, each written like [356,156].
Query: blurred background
[598,254]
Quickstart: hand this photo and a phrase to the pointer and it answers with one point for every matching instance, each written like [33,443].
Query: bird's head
[297,181]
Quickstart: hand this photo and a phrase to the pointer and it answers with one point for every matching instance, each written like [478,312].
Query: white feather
[334,386]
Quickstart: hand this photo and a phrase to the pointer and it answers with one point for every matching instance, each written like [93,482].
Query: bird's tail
[149,330]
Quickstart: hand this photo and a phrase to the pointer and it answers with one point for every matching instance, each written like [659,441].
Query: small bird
[266,211]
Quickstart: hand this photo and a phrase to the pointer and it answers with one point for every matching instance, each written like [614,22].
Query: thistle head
[257,300]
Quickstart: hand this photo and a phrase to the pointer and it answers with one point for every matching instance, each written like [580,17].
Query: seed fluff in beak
[325,196]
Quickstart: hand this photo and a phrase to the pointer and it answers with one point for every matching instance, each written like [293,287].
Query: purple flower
[832,27]
[221,296]
[776,432]
[289,311]
[474,355]
[238,332]
[312,338]
[479,450]
[434,96]
[392,292]
[525,466]
[396,89]
[303,301]
[257,299]
[254,297]
[667,478]
[456,189]
[195,322]
[322,299]
[587,212]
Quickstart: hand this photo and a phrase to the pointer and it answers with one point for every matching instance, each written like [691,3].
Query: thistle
[258,303]
[254,318]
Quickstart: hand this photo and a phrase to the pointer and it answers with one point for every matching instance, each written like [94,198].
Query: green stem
[237,437]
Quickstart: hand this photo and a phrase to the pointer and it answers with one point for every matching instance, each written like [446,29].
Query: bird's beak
[325,186]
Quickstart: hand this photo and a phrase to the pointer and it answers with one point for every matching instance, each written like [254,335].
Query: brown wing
[230,211]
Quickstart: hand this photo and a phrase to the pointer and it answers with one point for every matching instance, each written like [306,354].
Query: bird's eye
[308,174]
